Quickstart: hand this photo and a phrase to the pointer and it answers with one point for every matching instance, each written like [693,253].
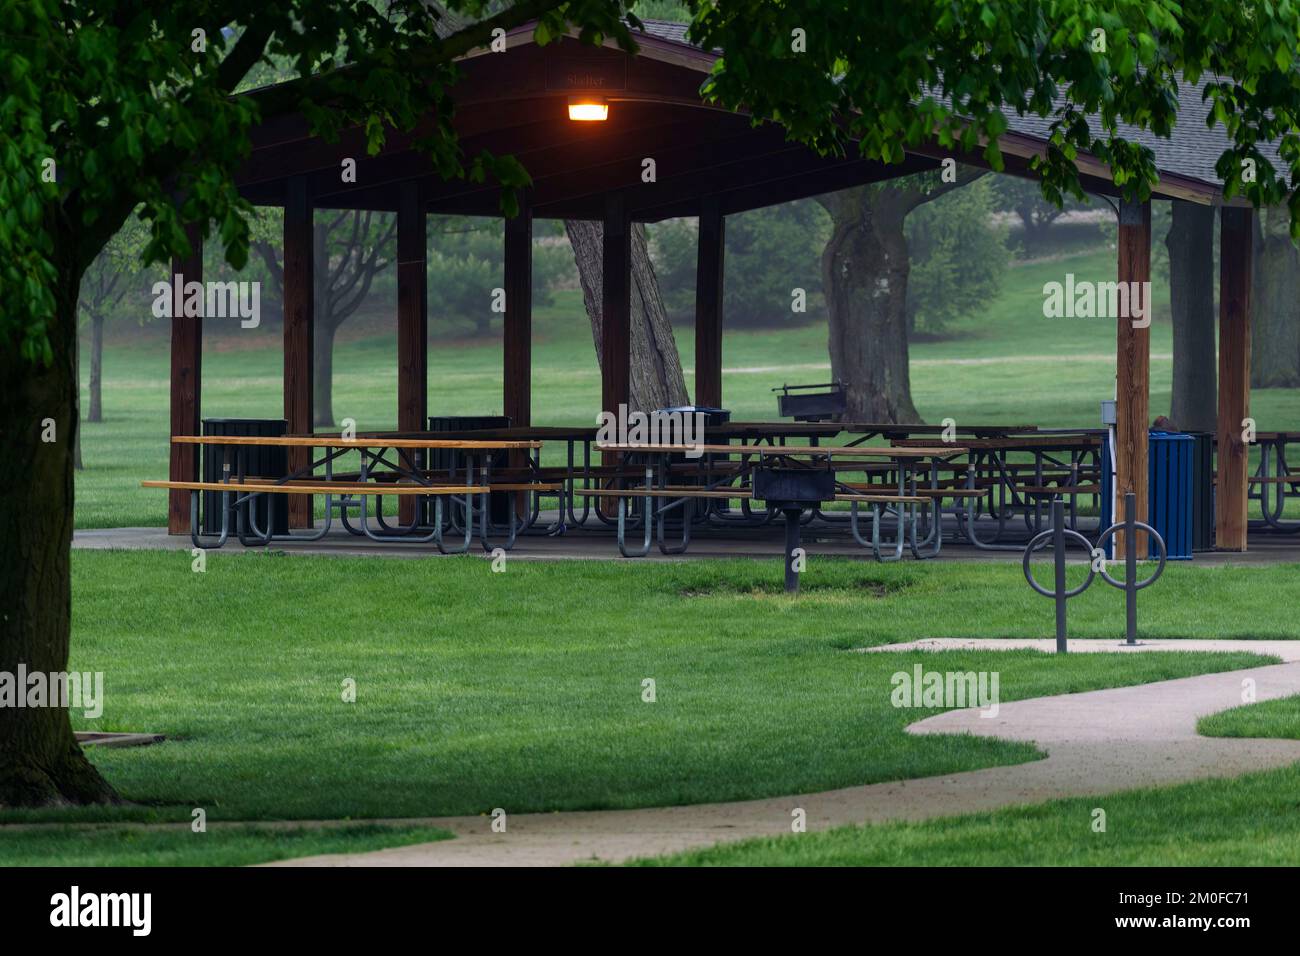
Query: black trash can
[675,434]
[712,416]
[441,459]
[260,462]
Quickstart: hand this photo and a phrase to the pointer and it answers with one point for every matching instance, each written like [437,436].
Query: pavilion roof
[514,103]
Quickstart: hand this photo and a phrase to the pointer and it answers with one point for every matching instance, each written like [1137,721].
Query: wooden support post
[186,382]
[1231,496]
[412,321]
[517,336]
[1132,370]
[517,344]
[299,340]
[708,304]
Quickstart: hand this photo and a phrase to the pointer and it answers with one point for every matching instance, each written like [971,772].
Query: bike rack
[1130,585]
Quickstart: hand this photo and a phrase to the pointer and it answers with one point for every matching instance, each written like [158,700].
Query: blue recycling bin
[1170,492]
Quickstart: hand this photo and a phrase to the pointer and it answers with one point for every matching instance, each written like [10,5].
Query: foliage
[466,263]
[769,253]
[131,105]
[958,257]
[896,75]
[673,10]
[115,275]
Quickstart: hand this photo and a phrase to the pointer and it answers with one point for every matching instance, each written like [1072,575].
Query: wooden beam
[616,306]
[708,304]
[412,321]
[517,335]
[1235,249]
[1132,372]
[186,382]
[299,323]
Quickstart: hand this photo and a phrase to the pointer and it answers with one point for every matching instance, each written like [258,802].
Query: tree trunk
[40,761]
[864,271]
[1190,241]
[96,368]
[657,380]
[76,379]
[323,374]
[1275,307]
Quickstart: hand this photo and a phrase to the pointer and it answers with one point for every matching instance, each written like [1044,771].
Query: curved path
[1096,743]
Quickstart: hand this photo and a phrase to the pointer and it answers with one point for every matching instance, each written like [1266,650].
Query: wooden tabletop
[980,431]
[1019,442]
[325,441]
[827,451]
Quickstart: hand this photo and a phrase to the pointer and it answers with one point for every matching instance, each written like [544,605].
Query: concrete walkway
[594,543]
[1096,743]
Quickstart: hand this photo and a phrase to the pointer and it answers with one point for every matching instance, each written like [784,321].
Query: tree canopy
[117,104]
[893,75]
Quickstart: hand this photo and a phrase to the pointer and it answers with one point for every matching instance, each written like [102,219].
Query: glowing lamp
[588,110]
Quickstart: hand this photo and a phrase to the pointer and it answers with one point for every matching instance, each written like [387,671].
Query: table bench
[404,478]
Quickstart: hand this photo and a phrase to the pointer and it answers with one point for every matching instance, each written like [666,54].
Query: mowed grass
[1245,821]
[1006,365]
[135,845]
[524,689]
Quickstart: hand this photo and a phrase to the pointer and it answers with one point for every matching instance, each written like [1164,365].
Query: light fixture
[588,109]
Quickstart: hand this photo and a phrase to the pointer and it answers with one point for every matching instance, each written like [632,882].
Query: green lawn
[1245,821]
[523,689]
[180,846]
[1008,365]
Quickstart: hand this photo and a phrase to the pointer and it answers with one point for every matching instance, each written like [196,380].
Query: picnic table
[388,467]
[1060,464]
[792,479]
[1274,472]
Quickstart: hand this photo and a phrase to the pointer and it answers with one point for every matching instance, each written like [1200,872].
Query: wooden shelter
[709,163]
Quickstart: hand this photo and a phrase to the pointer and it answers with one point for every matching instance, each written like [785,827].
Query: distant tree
[958,257]
[673,10]
[111,277]
[350,248]
[769,253]
[466,262]
[1024,198]
[1275,319]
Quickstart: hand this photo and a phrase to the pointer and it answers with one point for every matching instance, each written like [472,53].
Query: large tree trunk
[96,368]
[657,380]
[76,380]
[1275,306]
[864,272]
[40,761]
[1190,241]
